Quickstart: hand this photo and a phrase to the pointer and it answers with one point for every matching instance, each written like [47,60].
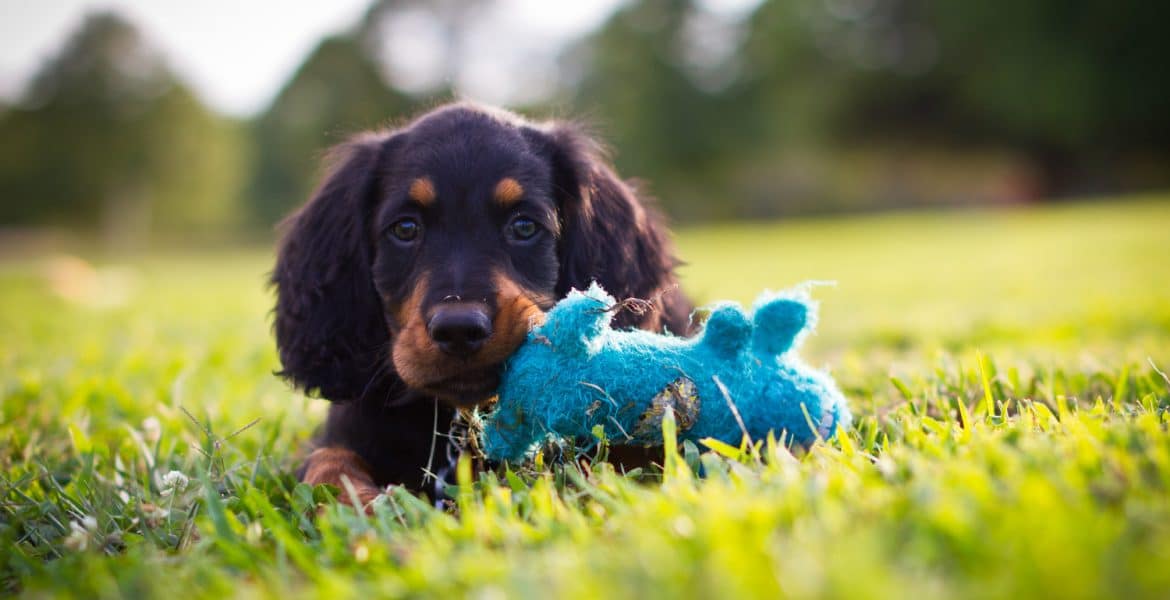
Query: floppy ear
[329,325]
[607,234]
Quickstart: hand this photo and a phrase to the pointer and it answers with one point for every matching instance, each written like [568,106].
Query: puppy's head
[464,244]
[428,252]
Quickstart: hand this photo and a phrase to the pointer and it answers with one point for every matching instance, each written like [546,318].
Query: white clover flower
[361,553]
[254,533]
[78,538]
[173,482]
[151,429]
[683,526]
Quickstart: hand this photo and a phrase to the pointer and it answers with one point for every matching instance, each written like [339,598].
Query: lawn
[1011,434]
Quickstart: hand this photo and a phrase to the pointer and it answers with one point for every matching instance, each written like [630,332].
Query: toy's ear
[578,319]
[779,322]
[727,331]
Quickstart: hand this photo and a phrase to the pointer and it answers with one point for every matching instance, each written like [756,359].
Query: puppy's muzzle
[460,329]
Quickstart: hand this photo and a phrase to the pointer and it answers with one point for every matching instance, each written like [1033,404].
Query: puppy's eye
[523,228]
[405,230]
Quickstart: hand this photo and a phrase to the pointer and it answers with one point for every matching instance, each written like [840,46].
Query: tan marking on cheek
[422,191]
[516,314]
[412,349]
[508,191]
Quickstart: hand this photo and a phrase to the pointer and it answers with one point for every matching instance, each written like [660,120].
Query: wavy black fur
[331,317]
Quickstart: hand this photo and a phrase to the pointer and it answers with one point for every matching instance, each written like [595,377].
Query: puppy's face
[464,243]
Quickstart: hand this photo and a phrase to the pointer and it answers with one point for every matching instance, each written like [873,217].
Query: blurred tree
[1074,82]
[346,85]
[767,109]
[665,99]
[409,36]
[1076,86]
[106,134]
[338,90]
[402,55]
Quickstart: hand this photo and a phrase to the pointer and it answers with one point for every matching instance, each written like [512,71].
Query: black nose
[459,329]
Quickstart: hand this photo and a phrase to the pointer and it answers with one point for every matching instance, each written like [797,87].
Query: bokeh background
[986,181]
[143,120]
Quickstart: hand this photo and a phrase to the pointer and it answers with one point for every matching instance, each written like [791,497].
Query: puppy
[422,259]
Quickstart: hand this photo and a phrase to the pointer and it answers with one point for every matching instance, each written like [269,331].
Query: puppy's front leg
[330,465]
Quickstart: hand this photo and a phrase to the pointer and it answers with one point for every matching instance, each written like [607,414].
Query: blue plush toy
[575,372]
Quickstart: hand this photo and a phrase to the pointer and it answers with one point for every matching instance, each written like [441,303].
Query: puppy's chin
[463,387]
[467,389]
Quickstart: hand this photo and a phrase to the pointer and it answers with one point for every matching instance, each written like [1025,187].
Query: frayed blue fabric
[575,372]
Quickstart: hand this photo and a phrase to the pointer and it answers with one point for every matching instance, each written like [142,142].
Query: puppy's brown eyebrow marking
[422,191]
[507,191]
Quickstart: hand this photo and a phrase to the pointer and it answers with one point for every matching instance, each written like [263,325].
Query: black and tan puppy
[422,258]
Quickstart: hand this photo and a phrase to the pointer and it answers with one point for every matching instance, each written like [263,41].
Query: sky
[237,53]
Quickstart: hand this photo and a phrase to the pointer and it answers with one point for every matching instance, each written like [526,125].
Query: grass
[1011,437]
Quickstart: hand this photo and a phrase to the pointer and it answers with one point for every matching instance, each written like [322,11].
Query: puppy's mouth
[468,388]
[460,382]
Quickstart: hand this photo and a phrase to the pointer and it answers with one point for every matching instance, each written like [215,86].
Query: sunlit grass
[1011,436]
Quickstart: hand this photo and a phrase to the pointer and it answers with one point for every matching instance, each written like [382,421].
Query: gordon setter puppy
[420,262]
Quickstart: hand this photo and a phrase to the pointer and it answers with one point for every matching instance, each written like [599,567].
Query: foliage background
[765,109]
